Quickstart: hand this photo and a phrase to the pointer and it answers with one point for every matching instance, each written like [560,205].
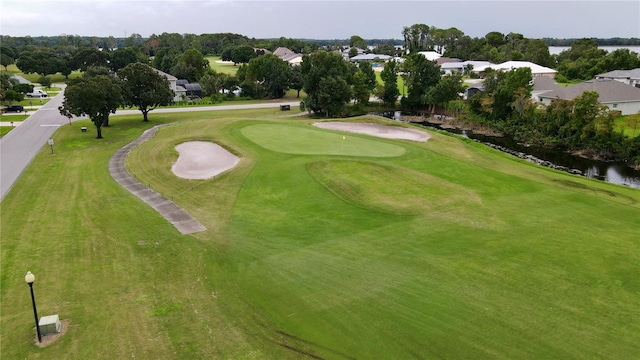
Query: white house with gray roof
[178,91]
[629,77]
[614,94]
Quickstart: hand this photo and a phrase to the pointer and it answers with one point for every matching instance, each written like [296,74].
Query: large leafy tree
[326,81]
[6,60]
[447,89]
[191,65]
[361,92]
[96,95]
[357,42]
[89,56]
[389,76]
[39,62]
[242,54]
[417,37]
[370,75]
[144,88]
[420,74]
[122,57]
[295,79]
[268,75]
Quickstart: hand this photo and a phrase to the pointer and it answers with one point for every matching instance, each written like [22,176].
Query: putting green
[309,141]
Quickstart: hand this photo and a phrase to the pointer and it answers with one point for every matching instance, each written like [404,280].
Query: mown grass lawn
[222,67]
[318,246]
[628,125]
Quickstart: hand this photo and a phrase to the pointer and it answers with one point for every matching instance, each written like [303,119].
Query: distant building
[371,57]
[289,56]
[629,77]
[536,70]
[460,66]
[430,55]
[614,94]
[178,91]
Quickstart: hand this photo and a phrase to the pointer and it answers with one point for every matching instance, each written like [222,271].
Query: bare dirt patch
[50,338]
[202,160]
[384,131]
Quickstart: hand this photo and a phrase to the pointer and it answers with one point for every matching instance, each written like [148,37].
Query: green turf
[309,141]
[447,249]
[222,67]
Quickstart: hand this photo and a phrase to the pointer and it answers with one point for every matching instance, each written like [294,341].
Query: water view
[555,50]
[612,172]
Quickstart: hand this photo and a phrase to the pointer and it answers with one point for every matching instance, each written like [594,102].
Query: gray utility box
[50,325]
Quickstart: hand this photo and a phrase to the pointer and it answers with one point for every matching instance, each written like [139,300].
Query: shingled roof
[621,74]
[610,91]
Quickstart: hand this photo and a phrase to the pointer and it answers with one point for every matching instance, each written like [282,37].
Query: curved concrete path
[170,211]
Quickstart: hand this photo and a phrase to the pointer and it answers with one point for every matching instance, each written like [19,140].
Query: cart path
[177,216]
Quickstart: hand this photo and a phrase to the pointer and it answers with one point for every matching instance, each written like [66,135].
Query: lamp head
[29,278]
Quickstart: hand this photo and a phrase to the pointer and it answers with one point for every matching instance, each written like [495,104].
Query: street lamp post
[30,278]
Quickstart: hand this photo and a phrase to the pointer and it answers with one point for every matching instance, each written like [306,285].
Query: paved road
[20,145]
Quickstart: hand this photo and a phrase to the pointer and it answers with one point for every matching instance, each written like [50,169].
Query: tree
[420,75]
[166,59]
[242,54]
[357,42]
[326,81]
[92,96]
[6,60]
[90,56]
[11,95]
[144,88]
[193,64]
[447,89]
[360,90]
[122,57]
[295,79]
[333,94]
[417,37]
[209,82]
[45,81]
[268,75]
[370,75]
[389,76]
[38,62]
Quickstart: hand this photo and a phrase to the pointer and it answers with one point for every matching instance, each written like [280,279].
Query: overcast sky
[323,19]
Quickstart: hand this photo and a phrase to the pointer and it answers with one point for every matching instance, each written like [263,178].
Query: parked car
[13,108]
[37,93]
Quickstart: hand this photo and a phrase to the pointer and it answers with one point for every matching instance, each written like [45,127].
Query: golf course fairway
[320,244]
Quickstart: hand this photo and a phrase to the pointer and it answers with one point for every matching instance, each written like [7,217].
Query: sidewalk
[10,123]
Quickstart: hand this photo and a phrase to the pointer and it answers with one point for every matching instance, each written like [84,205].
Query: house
[536,70]
[178,91]
[460,66]
[629,77]
[543,84]
[472,90]
[371,57]
[289,56]
[614,94]
[430,55]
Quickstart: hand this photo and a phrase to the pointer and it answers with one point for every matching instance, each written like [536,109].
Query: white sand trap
[202,160]
[384,131]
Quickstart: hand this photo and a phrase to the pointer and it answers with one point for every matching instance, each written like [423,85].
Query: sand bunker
[384,131]
[202,160]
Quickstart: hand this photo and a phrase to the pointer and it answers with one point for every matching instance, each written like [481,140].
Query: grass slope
[388,249]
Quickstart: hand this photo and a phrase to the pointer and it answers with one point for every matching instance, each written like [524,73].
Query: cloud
[319,19]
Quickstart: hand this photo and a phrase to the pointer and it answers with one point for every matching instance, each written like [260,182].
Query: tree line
[335,87]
